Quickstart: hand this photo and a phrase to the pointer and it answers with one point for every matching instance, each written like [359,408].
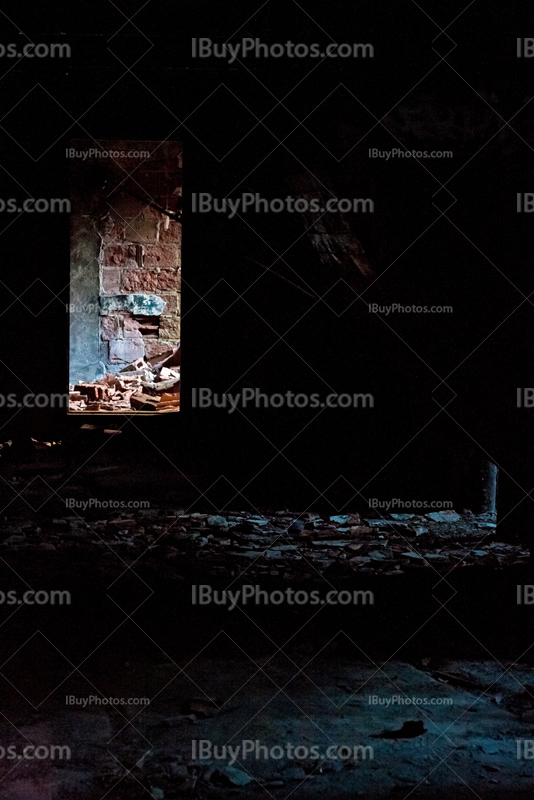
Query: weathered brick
[131,328]
[149,281]
[139,281]
[114,231]
[169,280]
[171,304]
[161,256]
[109,327]
[173,234]
[169,327]
[120,256]
[126,349]
[141,231]
[110,281]
[153,348]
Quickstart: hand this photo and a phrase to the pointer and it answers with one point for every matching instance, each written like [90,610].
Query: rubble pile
[277,543]
[138,387]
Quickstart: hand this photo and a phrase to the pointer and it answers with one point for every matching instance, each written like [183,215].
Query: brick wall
[140,255]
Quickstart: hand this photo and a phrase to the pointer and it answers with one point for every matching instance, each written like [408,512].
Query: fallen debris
[444,516]
[270,543]
[230,776]
[141,386]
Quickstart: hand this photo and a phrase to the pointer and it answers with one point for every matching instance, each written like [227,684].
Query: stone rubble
[272,544]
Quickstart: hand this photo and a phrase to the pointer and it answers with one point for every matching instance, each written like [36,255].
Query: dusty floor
[453,640]
[438,624]
[273,701]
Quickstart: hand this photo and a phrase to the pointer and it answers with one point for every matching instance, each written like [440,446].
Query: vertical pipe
[489,474]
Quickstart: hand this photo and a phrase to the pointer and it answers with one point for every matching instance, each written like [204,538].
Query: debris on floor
[141,386]
[271,543]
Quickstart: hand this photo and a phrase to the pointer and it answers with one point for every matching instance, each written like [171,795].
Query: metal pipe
[489,475]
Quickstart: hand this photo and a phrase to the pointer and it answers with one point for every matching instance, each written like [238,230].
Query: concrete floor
[131,753]
[444,630]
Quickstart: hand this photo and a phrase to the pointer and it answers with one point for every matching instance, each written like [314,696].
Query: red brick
[120,256]
[110,281]
[149,281]
[91,391]
[141,231]
[173,234]
[153,348]
[161,256]
[169,327]
[109,327]
[131,328]
[171,303]
[139,281]
[169,280]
